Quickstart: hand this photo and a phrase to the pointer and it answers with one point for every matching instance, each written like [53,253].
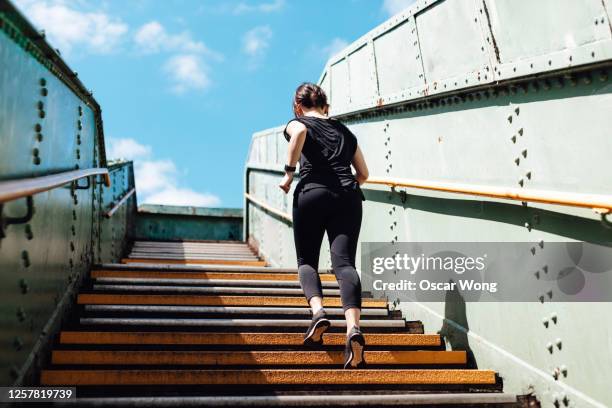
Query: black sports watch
[289,168]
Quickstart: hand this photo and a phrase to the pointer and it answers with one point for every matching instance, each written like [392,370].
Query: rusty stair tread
[230,322]
[192,255]
[216,358]
[193,242]
[332,311]
[183,249]
[240,338]
[206,289]
[207,282]
[194,261]
[125,299]
[267,377]
[199,268]
[289,277]
[328,400]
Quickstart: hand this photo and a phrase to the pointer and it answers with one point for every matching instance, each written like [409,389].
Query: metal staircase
[203,324]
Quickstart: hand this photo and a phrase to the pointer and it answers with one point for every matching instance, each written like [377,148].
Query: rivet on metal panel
[513,138]
[21,314]
[558,343]
[565,400]
[603,76]
[23,285]
[517,161]
[28,232]
[524,153]
[563,370]
[587,79]
[545,321]
[44,92]
[549,347]
[521,183]
[25,258]
[528,175]
[537,275]
[528,226]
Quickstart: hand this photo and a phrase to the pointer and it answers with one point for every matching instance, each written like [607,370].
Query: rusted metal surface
[202,275]
[119,299]
[265,376]
[251,339]
[193,261]
[280,358]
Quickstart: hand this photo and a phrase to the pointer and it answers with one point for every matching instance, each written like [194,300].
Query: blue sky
[184,83]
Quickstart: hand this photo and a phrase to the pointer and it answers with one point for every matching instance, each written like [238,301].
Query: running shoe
[319,325]
[353,351]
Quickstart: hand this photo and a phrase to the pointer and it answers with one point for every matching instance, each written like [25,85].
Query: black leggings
[338,212]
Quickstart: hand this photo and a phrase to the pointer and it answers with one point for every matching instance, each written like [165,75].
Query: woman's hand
[285,184]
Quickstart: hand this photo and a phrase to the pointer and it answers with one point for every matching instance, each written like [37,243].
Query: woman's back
[326,157]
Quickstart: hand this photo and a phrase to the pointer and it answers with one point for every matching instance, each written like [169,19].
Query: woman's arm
[297,134]
[360,166]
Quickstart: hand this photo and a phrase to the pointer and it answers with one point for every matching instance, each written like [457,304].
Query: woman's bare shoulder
[294,127]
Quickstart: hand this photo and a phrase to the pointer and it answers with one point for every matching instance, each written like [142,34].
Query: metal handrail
[15,189]
[114,209]
[268,208]
[597,202]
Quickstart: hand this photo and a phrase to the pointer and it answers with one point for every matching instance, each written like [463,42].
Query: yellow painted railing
[598,202]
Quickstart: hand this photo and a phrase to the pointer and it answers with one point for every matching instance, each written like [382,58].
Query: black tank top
[327,154]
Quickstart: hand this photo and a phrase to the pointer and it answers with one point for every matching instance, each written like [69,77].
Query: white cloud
[269,7]
[127,149]
[182,196]
[186,69]
[187,72]
[153,38]
[392,7]
[255,43]
[157,179]
[66,27]
[335,46]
